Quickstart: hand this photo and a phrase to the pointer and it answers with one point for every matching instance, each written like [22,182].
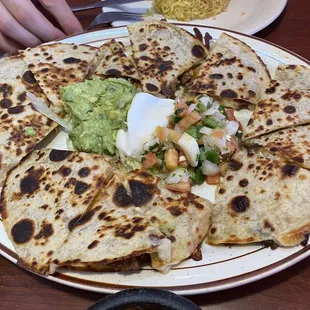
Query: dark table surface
[288,289]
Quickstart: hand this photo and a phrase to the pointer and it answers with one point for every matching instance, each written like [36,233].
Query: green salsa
[98,109]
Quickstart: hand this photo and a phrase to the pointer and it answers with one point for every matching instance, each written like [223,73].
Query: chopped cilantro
[176,119]
[222,111]
[178,111]
[153,147]
[160,155]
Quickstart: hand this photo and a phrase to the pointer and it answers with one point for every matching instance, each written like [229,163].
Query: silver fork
[109,17]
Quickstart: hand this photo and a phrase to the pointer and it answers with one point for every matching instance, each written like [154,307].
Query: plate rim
[192,289]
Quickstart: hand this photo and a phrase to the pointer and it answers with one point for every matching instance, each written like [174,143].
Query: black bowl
[144,299]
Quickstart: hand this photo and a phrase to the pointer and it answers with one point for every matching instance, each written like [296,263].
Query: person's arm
[23,25]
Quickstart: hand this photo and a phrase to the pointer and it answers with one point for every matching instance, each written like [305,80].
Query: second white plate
[242,15]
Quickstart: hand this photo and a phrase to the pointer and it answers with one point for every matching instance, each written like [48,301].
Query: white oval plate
[222,267]
[246,16]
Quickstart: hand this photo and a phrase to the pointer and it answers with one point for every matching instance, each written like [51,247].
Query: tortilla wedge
[113,61]
[261,199]
[21,128]
[286,102]
[162,52]
[176,215]
[15,80]
[113,231]
[290,145]
[233,73]
[58,65]
[42,199]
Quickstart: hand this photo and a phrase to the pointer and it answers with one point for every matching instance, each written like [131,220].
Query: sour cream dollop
[145,114]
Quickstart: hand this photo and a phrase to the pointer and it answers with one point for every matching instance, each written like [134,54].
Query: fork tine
[108,17]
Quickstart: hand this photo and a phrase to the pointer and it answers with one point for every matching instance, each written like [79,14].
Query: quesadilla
[183,218]
[113,61]
[42,199]
[291,144]
[58,65]
[21,128]
[233,73]
[261,199]
[286,102]
[15,80]
[113,231]
[162,52]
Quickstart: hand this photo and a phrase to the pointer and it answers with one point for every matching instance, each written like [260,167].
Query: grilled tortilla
[58,65]
[261,199]
[21,128]
[113,231]
[113,61]
[42,199]
[233,73]
[15,80]
[183,218]
[162,52]
[291,144]
[286,102]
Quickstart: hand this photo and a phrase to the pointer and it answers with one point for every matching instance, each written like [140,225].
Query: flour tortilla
[113,61]
[42,199]
[15,80]
[286,102]
[261,199]
[291,145]
[183,218]
[162,52]
[113,231]
[233,73]
[21,129]
[58,65]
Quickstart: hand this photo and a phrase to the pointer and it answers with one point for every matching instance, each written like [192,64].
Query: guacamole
[98,108]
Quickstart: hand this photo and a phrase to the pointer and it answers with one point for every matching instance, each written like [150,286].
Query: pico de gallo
[194,147]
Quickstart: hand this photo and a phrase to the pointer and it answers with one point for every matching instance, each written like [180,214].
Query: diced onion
[185,177]
[218,117]
[192,107]
[190,147]
[176,176]
[213,109]
[150,143]
[206,131]
[205,101]
[231,128]
[220,143]
[209,168]
[42,108]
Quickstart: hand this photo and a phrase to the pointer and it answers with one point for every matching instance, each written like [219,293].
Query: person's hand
[23,25]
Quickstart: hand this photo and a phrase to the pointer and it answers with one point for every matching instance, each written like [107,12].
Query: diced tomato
[218,133]
[179,187]
[150,161]
[213,179]
[232,145]
[181,105]
[188,121]
[230,114]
